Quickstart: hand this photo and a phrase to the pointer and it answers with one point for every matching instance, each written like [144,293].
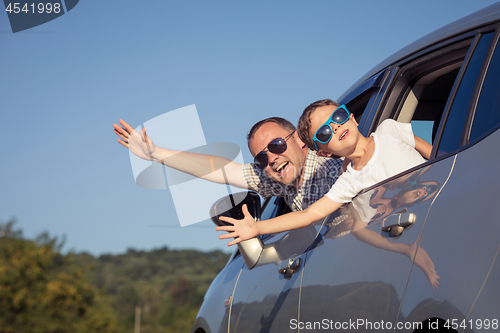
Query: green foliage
[168,285]
[41,291]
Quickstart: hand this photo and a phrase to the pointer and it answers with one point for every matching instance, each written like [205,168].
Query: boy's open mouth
[343,135]
[281,167]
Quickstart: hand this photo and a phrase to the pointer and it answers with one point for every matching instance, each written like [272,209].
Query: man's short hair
[285,124]
[305,120]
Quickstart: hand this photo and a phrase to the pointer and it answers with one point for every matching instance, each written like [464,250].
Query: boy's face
[344,137]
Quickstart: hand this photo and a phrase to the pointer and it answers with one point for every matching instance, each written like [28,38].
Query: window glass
[487,115]
[433,91]
[274,206]
[361,98]
[358,106]
[450,141]
[423,129]
[269,209]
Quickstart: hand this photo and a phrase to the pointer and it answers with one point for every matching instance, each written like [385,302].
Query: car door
[462,231]
[264,299]
[361,276]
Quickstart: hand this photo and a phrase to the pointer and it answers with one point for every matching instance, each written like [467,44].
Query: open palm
[139,144]
[240,230]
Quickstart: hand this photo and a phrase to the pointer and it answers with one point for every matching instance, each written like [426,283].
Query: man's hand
[240,230]
[140,145]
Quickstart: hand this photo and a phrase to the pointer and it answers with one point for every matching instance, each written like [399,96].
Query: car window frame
[432,58]
[474,96]
[371,88]
[384,112]
[466,142]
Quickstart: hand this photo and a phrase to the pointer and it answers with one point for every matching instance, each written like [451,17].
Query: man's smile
[281,167]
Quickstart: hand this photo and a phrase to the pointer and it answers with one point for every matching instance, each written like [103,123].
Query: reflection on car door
[364,272]
[462,227]
[264,300]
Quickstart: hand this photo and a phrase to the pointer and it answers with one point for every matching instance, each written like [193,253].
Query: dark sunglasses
[325,132]
[277,146]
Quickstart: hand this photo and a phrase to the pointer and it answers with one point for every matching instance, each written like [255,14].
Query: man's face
[344,137]
[287,167]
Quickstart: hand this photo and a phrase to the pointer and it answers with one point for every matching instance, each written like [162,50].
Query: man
[283,164]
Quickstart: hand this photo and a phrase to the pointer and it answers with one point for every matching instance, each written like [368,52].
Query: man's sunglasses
[277,146]
[325,132]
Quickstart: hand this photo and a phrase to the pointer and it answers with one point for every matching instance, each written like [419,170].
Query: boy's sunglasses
[429,189]
[277,146]
[325,132]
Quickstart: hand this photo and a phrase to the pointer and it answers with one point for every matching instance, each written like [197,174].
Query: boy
[332,130]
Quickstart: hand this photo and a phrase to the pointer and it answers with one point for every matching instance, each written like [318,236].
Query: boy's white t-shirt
[394,153]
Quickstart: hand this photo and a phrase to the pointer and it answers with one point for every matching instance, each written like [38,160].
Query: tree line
[45,290]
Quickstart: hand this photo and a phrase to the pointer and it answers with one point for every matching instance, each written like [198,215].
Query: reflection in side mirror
[231,206]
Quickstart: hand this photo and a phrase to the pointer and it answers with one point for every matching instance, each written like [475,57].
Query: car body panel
[462,234]
[364,273]
[264,299]
[214,313]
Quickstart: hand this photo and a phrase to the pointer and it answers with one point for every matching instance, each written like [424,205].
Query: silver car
[427,256]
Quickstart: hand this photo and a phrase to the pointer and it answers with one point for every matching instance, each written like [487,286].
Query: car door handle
[289,266]
[397,223]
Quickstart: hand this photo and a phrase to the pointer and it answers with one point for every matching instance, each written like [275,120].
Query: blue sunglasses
[325,132]
[429,188]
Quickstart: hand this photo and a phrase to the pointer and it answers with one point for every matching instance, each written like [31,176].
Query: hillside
[44,290]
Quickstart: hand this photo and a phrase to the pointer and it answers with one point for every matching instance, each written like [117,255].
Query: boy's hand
[240,230]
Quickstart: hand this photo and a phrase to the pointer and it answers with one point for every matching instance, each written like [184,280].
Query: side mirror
[254,253]
[231,206]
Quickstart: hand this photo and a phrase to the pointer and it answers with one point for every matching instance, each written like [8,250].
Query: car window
[430,93]
[272,207]
[269,208]
[452,135]
[360,99]
[422,87]
[487,116]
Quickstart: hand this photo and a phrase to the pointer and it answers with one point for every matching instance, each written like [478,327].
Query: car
[427,256]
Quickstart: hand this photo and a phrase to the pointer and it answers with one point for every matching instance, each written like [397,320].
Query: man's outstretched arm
[212,168]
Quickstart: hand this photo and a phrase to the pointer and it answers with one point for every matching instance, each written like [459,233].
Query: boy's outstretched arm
[423,147]
[247,227]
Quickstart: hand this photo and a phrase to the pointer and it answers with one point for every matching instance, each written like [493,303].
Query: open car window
[360,99]
[423,91]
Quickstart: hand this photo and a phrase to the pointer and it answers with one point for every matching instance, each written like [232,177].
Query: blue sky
[66,82]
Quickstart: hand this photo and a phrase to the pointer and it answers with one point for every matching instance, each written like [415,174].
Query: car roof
[482,17]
